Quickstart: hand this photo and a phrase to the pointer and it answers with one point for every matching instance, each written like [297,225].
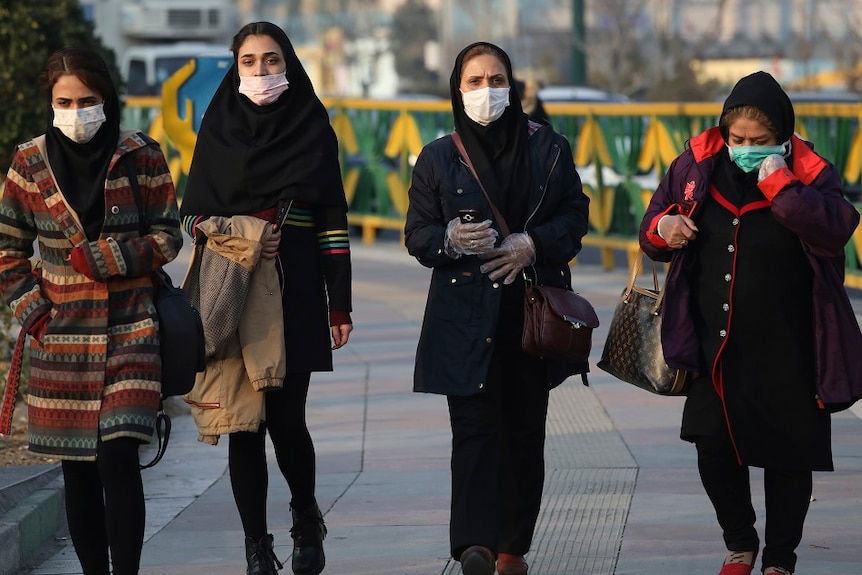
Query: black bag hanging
[181,332]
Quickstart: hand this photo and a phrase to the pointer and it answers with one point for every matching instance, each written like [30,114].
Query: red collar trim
[738,212]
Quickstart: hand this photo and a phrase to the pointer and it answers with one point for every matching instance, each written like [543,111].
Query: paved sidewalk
[622,494]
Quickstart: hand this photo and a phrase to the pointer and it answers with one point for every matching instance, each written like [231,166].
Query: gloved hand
[80,262]
[769,165]
[515,253]
[469,239]
[38,328]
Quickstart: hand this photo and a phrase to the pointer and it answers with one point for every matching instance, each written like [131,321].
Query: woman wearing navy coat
[470,345]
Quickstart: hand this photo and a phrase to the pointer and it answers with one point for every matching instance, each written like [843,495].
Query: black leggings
[788,493]
[294,452]
[105,508]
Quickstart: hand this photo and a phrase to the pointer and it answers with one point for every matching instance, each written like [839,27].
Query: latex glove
[469,239]
[769,165]
[515,253]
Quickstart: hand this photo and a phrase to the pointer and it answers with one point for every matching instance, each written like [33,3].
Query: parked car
[562,94]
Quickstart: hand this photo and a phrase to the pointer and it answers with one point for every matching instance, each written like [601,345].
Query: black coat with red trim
[756,303]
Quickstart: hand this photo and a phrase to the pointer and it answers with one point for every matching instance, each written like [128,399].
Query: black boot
[260,556]
[308,532]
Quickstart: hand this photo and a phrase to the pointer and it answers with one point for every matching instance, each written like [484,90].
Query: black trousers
[294,452]
[788,493]
[498,462]
[105,508]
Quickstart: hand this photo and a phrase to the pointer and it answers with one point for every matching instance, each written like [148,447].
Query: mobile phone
[283,211]
[469,216]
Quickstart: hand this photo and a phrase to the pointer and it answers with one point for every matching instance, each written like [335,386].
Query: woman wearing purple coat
[754,224]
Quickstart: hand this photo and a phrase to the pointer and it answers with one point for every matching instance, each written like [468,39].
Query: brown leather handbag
[558,323]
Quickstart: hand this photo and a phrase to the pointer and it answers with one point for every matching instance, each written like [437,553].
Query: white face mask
[79,124]
[263,90]
[485,105]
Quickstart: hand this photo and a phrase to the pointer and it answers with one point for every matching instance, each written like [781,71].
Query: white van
[145,68]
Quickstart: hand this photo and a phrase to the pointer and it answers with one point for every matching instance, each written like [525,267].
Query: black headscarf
[498,151]
[248,157]
[81,169]
[764,93]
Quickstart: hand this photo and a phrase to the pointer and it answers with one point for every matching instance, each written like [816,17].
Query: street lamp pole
[579,59]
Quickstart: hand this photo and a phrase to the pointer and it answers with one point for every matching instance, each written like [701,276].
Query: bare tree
[633,49]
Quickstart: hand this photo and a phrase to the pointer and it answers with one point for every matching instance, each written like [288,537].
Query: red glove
[39,327]
[80,263]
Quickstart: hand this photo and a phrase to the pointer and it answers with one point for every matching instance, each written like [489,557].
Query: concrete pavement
[622,494]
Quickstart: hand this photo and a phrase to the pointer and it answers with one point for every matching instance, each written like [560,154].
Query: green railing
[621,151]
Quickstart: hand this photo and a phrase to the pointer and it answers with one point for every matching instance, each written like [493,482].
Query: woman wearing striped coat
[94,386]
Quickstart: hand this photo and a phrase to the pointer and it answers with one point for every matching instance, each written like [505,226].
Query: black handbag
[181,331]
[633,351]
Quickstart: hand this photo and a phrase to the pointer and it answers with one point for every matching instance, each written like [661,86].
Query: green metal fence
[621,151]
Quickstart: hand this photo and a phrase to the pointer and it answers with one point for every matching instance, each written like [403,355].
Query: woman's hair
[260,29]
[749,113]
[84,63]
[481,50]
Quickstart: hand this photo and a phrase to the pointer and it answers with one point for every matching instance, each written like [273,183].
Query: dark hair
[84,63]
[481,50]
[749,113]
[260,29]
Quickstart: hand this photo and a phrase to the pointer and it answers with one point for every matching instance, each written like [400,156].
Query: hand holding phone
[283,211]
[469,216]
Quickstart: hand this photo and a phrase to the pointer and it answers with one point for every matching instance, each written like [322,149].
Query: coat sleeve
[19,286]
[818,213]
[425,228]
[330,224]
[663,202]
[558,238]
[142,255]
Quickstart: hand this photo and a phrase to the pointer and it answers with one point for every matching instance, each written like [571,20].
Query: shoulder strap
[163,421]
[501,221]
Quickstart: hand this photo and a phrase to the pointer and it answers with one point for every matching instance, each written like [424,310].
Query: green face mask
[749,158]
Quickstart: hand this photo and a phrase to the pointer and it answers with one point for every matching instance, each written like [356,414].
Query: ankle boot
[308,532]
[260,556]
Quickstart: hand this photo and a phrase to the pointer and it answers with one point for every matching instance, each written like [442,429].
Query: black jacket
[461,314]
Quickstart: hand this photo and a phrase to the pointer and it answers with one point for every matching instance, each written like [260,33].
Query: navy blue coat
[463,307]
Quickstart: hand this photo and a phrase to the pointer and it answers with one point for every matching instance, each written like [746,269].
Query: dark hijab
[249,157]
[81,169]
[764,93]
[498,151]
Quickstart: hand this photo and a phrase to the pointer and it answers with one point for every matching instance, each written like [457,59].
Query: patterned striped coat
[96,372]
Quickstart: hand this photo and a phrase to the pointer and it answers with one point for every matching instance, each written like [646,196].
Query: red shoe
[508,564]
[737,567]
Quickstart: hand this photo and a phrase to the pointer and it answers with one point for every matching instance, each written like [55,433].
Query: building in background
[153,38]
[647,49]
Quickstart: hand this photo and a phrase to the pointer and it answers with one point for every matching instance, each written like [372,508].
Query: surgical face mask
[263,90]
[79,124]
[749,158]
[485,105]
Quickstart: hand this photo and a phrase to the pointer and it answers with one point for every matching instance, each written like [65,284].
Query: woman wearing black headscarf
[266,142]
[95,363]
[754,224]
[470,345]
